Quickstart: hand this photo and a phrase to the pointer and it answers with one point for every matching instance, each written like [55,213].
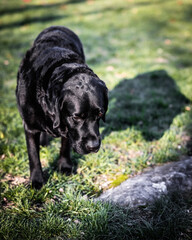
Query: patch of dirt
[15,180]
[104,181]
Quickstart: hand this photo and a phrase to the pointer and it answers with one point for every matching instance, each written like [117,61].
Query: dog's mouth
[85,146]
[95,150]
[84,150]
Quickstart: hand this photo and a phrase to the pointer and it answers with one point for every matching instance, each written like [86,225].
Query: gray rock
[141,190]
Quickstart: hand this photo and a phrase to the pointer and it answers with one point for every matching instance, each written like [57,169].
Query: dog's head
[83,102]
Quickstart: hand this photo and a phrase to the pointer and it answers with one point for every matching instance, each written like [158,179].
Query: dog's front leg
[65,164]
[36,174]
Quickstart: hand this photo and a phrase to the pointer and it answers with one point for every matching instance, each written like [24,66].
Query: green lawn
[143,51]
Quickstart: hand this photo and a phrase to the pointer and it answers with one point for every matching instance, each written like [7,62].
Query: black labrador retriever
[58,94]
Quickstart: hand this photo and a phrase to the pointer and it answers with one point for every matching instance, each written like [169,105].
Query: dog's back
[58,36]
[53,47]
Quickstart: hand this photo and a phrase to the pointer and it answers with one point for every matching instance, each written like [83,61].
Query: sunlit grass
[142,50]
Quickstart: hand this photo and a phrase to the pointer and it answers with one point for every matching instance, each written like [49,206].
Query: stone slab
[152,184]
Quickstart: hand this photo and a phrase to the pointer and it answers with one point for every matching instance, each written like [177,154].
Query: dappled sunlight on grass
[142,50]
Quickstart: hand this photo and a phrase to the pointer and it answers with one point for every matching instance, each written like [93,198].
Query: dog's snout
[93,146]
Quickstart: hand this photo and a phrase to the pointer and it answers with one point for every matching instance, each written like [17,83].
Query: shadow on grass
[166,218]
[183,54]
[149,102]
[29,7]
[32,20]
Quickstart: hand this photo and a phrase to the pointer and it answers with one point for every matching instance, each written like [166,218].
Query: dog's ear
[105,102]
[52,110]
[56,121]
[103,118]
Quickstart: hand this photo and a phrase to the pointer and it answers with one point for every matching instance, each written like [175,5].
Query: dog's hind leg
[36,174]
[65,164]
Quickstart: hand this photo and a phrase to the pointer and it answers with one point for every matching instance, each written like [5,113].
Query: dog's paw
[64,167]
[37,179]
[37,184]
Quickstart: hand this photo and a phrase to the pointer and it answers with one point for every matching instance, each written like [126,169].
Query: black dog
[57,93]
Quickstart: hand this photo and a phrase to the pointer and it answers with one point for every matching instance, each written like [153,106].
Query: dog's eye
[79,117]
[100,115]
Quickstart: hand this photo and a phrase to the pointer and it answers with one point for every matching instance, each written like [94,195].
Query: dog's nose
[93,146]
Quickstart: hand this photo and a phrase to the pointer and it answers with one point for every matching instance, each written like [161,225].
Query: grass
[142,50]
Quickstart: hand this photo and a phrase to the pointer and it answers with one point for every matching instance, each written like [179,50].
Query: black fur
[58,94]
